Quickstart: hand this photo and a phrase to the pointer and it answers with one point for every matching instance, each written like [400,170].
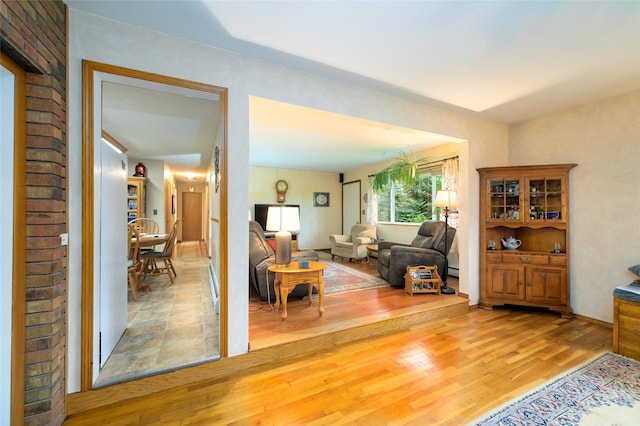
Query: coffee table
[371,248]
[290,276]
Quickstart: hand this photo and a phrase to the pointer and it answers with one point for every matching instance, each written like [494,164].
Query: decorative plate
[321,199]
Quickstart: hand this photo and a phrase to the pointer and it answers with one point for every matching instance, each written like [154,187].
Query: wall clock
[281,188]
[321,199]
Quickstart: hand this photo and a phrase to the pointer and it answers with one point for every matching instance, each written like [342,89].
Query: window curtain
[372,203]
[450,182]
[450,174]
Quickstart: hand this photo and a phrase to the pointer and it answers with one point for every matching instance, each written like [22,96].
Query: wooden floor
[344,311]
[444,372]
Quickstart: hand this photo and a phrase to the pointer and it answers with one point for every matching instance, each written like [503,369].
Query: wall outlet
[64,239]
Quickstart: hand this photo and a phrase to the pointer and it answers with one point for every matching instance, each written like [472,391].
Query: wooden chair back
[133,249]
[171,241]
[146,225]
[133,259]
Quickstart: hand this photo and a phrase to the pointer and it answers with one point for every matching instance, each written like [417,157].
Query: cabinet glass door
[504,199]
[545,197]
[132,202]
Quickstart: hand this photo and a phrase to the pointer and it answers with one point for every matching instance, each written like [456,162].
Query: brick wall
[33,34]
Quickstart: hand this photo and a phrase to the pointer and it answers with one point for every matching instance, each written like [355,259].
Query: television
[260,212]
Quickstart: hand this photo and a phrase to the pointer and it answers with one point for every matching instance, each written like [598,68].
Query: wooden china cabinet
[135,197]
[530,204]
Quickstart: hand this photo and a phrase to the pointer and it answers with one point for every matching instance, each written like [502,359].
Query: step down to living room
[348,317]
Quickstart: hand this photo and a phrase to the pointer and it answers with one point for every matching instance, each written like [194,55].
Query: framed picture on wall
[320,199]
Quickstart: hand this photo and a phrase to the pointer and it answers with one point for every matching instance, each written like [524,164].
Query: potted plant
[402,171]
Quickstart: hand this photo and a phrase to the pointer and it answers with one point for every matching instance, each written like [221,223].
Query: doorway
[94,75]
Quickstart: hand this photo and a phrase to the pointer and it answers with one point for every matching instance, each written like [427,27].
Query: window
[414,204]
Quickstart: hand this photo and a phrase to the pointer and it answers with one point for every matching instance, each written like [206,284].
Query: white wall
[316,223]
[102,40]
[603,138]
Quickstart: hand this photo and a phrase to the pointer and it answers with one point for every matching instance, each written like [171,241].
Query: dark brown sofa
[427,249]
[261,256]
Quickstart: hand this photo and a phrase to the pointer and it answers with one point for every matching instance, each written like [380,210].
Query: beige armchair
[354,245]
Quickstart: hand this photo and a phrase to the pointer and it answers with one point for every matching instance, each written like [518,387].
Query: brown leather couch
[261,256]
[427,248]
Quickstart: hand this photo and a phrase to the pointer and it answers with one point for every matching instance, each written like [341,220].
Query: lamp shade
[446,198]
[282,218]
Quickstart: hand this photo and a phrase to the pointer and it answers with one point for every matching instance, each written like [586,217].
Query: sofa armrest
[339,238]
[410,250]
[382,245]
[363,240]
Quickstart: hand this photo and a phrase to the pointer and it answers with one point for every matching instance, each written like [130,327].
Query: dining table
[151,240]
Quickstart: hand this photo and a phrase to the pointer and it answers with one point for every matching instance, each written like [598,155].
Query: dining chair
[164,255]
[133,260]
[146,225]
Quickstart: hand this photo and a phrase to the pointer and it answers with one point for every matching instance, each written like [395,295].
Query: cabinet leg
[485,307]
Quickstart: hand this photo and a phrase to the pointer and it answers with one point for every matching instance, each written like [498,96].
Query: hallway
[170,326]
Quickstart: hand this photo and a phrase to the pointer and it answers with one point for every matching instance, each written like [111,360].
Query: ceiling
[502,61]
[179,126]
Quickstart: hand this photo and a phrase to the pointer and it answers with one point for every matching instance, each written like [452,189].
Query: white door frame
[350,205]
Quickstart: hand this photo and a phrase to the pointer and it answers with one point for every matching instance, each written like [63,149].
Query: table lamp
[449,201]
[283,219]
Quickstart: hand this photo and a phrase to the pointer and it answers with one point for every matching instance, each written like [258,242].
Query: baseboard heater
[215,285]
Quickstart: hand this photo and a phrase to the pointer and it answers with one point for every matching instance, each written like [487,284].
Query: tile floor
[171,326]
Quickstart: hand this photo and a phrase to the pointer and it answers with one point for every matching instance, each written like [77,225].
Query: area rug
[341,279]
[604,391]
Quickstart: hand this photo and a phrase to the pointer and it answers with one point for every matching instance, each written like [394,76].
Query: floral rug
[604,391]
[338,278]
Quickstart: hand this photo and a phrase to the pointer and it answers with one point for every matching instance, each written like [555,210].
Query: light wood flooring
[442,372]
[345,311]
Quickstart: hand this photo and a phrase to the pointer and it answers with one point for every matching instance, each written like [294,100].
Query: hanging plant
[402,171]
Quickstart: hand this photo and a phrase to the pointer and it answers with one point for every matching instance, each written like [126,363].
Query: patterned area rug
[604,391]
[341,279]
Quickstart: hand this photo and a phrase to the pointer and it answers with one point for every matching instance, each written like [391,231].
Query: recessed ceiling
[502,61]
[325,141]
[162,123]
[507,61]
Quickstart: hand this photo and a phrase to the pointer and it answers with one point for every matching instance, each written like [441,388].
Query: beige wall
[603,138]
[316,223]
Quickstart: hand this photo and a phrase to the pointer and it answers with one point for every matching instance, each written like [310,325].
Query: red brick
[45,217]
[53,230]
[39,356]
[45,206]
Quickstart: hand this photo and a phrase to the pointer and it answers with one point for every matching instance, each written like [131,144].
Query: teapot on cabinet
[511,243]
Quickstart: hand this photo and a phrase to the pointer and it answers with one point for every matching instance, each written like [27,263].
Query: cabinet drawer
[558,260]
[534,259]
[494,257]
